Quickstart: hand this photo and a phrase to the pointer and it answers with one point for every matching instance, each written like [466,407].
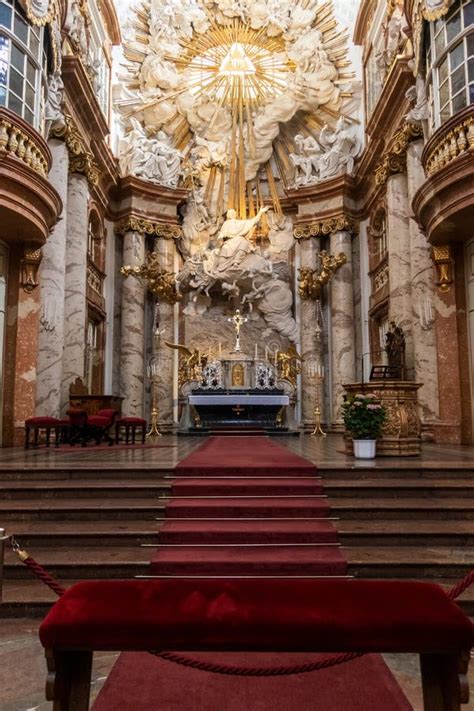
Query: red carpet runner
[244,506]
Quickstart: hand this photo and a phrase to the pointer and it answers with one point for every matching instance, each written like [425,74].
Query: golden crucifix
[238,320]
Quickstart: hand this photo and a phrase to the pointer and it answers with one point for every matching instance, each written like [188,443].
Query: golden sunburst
[236,65]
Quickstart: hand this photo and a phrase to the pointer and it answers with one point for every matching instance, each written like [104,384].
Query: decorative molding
[42,12]
[18,139]
[311,281]
[394,157]
[155,229]
[159,281]
[450,144]
[444,263]
[30,262]
[81,160]
[340,223]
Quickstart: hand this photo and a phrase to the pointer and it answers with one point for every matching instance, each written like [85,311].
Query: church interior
[236,350]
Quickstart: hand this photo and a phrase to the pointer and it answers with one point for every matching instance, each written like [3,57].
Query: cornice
[130,186]
[394,157]
[340,186]
[82,98]
[136,223]
[81,159]
[340,222]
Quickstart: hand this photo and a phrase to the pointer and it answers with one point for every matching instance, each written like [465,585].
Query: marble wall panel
[75,311]
[423,299]
[52,285]
[27,314]
[399,263]
[342,324]
[132,359]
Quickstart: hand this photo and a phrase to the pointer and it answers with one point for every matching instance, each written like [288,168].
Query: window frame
[32,113]
[438,54]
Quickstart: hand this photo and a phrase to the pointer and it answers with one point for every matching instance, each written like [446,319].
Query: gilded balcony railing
[22,141]
[454,138]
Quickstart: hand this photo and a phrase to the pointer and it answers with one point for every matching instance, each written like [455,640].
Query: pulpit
[401,436]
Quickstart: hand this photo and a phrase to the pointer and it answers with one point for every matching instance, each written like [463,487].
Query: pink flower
[373,407]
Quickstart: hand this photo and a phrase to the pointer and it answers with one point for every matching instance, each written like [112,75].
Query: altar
[239,408]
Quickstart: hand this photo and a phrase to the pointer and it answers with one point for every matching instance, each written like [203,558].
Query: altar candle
[199,357]
[209,356]
[220,350]
[266,352]
[256,352]
[276,357]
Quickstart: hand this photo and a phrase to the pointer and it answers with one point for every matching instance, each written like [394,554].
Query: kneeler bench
[257,615]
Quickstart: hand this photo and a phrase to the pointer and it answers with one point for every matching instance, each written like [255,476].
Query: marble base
[402,432]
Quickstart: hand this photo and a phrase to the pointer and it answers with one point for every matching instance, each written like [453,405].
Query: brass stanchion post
[3,538]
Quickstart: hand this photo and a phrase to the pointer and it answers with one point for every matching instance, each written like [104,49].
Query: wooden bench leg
[69,679]
[444,681]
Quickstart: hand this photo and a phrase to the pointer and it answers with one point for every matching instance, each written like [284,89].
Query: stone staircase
[394,522]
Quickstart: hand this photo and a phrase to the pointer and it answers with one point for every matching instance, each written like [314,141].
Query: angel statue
[191,362]
[289,364]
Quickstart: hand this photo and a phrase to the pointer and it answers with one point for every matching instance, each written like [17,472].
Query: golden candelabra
[316,371]
[153,370]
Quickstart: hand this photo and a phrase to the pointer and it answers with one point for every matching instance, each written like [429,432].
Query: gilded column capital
[81,160]
[30,263]
[394,157]
[444,263]
[322,228]
[147,227]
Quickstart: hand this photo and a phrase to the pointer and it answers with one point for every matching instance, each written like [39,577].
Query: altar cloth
[250,399]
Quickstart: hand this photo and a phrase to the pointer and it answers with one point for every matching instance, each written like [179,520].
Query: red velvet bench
[131,425]
[42,423]
[257,615]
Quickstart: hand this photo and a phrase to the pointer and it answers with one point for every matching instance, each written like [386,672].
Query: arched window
[449,53]
[23,63]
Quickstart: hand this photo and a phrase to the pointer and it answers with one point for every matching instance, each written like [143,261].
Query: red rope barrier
[229,670]
[43,575]
[460,587]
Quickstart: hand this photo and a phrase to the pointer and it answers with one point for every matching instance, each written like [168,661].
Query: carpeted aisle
[246,507]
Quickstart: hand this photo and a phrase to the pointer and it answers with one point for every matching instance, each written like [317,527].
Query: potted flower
[364,418]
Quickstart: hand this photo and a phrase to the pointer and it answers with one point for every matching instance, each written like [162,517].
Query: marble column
[75,307]
[132,357]
[422,299]
[52,283]
[399,262]
[309,249]
[342,324]
[166,249]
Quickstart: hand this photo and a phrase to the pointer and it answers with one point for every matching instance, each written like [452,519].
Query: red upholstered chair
[131,425]
[76,426]
[41,423]
[99,425]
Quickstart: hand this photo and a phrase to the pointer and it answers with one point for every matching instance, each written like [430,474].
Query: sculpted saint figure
[235,235]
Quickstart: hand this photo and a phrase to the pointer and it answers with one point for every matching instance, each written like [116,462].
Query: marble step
[403,508]
[83,488]
[80,510]
[160,486]
[73,534]
[89,562]
[431,562]
[399,470]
